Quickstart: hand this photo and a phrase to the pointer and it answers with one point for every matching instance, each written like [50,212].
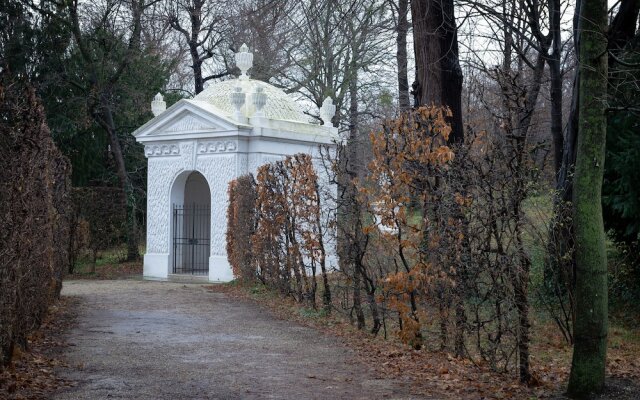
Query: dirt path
[155,340]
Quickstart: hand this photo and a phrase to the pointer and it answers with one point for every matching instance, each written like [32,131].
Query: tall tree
[400,10]
[591,316]
[203,25]
[108,39]
[336,40]
[438,72]
[265,25]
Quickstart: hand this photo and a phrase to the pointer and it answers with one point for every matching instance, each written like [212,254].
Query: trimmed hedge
[34,216]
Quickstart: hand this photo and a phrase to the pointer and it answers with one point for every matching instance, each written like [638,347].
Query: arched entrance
[190,225]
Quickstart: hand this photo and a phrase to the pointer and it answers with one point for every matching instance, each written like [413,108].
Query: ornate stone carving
[217,155]
[189,124]
[244,61]
[162,150]
[253,162]
[158,105]
[327,111]
[218,171]
[259,101]
[237,98]
[242,162]
[162,172]
[256,160]
[219,146]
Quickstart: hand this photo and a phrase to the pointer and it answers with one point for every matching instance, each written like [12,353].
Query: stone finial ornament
[244,61]
[237,98]
[259,101]
[158,105]
[327,111]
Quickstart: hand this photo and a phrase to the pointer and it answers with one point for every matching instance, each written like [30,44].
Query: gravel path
[160,340]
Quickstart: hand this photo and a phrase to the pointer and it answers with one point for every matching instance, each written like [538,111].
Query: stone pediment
[185,118]
[188,123]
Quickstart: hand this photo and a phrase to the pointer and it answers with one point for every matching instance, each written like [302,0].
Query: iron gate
[191,239]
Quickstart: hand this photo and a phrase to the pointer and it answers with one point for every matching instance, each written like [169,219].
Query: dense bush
[34,215]
[431,243]
[241,222]
[279,216]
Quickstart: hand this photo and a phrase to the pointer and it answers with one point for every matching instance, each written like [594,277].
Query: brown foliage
[279,214]
[441,240]
[431,246]
[407,152]
[34,215]
[34,375]
[241,221]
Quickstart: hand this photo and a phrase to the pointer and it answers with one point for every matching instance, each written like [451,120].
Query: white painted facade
[228,130]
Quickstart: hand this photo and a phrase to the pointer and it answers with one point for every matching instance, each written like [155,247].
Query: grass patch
[109,264]
[310,313]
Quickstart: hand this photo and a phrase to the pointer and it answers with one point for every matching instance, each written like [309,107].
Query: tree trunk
[401,55]
[438,72]
[591,324]
[461,322]
[326,291]
[105,119]
[556,85]
[562,263]
[357,299]
[197,72]
[352,207]
[195,16]
[426,17]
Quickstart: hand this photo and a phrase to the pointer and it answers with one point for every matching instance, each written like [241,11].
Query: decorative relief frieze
[189,124]
[162,150]
[161,176]
[219,146]
[218,175]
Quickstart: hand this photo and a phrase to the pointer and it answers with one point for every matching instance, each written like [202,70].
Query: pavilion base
[220,269]
[156,266]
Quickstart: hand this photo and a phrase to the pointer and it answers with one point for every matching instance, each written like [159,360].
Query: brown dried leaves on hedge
[34,215]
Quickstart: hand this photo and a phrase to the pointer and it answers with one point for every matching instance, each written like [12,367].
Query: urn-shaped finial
[259,101]
[158,105]
[237,98]
[327,111]
[244,61]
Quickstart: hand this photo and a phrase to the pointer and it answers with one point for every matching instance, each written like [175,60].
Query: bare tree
[400,10]
[204,26]
[265,25]
[336,40]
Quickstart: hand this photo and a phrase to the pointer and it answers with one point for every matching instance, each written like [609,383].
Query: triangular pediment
[188,122]
[186,117]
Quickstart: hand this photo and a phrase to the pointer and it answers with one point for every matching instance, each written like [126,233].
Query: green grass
[310,313]
[117,255]
[84,264]
[621,336]
[259,289]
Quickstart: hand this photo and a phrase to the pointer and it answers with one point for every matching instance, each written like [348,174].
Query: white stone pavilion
[195,147]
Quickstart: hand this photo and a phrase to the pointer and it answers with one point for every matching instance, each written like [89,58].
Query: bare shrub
[432,242]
